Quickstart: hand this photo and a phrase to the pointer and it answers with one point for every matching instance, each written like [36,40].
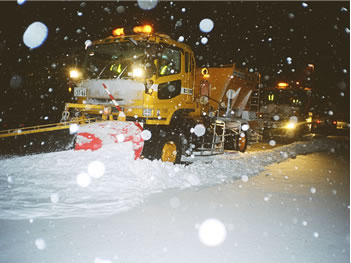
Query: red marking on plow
[94,144]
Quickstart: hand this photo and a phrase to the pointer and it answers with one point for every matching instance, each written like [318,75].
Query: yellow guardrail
[42,128]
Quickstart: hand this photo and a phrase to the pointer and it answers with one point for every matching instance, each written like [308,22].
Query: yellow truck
[144,85]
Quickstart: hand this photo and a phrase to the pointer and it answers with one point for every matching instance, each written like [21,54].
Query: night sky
[259,35]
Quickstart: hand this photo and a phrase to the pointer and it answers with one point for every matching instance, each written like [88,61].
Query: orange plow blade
[95,136]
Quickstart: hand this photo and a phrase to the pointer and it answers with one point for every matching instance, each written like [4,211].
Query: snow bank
[62,184]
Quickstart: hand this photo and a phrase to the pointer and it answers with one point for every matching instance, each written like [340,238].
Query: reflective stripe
[163,70]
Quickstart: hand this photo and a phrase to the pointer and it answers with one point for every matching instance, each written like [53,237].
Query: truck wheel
[170,150]
[241,142]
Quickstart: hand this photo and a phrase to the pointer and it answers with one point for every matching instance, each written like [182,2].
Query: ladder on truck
[216,146]
[255,100]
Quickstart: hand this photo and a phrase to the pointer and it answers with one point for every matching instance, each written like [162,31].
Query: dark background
[257,35]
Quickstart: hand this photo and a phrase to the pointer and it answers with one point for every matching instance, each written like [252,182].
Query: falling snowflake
[313,190]
[245,127]
[245,178]
[35,35]
[181,39]
[199,130]
[272,143]
[206,25]
[73,128]
[204,40]
[146,135]
[83,180]
[147,4]
[21,2]
[40,243]
[96,169]
[212,232]
[55,198]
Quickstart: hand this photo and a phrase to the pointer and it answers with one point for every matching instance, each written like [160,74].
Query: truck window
[169,90]
[169,63]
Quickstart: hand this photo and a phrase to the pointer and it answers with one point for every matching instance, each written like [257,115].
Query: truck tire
[241,141]
[169,150]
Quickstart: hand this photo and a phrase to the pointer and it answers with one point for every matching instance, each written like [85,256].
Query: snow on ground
[71,183]
[220,209]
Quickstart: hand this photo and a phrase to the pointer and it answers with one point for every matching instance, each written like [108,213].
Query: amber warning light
[118,32]
[147,29]
[283,85]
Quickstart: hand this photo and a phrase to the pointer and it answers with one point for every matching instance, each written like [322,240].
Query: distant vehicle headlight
[290,125]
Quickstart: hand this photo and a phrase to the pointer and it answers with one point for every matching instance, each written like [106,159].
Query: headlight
[74,74]
[290,125]
[138,72]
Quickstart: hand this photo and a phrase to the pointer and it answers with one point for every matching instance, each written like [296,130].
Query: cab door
[189,72]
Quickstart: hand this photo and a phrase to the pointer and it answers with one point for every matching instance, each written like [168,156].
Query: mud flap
[95,136]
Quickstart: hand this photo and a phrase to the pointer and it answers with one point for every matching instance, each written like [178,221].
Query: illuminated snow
[55,198]
[174,202]
[313,190]
[73,128]
[40,243]
[181,39]
[88,43]
[272,143]
[146,135]
[276,117]
[212,232]
[245,127]
[206,25]
[120,9]
[21,2]
[204,40]
[16,81]
[35,35]
[199,130]
[147,4]
[96,169]
[293,119]
[83,180]
[245,178]
[100,260]
[120,138]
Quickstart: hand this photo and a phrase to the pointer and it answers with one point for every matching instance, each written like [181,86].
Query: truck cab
[150,76]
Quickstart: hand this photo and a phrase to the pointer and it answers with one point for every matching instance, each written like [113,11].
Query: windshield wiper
[133,41]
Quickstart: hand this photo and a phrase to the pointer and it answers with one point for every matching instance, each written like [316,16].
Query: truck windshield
[296,98]
[118,60]
[126,59]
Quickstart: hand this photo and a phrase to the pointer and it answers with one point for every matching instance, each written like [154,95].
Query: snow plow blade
[97,135]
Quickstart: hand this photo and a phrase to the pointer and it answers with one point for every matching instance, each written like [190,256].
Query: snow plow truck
[285,111]
[144,88]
